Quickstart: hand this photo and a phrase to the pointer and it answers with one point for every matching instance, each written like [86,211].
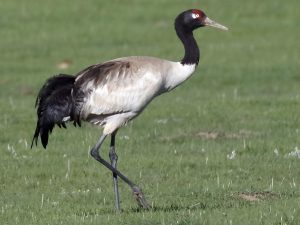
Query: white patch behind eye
[194,15]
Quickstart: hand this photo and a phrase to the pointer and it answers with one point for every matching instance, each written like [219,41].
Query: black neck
[192,53]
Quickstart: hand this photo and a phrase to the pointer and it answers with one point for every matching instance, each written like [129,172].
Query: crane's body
[112,93]
[124,87]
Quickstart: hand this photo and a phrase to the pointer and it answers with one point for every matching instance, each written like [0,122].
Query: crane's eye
[195,15]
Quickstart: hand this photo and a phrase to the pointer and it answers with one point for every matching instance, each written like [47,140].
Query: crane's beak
[211,23]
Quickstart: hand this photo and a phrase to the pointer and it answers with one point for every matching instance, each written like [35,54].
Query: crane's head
[195,18]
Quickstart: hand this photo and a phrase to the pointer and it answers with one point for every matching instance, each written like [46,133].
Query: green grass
[243,98]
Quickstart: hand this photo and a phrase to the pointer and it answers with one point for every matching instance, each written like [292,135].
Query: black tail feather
[54,103]
[36,135]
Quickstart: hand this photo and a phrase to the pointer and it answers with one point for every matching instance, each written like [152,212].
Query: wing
[124,85]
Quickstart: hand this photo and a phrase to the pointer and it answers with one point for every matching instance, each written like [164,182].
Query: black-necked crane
[112,93]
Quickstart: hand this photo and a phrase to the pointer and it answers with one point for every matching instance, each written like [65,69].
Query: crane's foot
[140,198]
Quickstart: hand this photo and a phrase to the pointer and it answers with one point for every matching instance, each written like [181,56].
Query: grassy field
[221,149]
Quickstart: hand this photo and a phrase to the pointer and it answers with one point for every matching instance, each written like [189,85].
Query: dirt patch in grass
[255,196]
[64,64]
[213,135]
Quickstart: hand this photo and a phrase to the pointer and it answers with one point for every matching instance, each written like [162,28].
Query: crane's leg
[113,160]
[137,192]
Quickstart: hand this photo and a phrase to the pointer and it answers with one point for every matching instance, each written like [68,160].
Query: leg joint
[94,153]
[113,155]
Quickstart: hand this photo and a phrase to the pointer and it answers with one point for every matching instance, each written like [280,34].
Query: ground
[223,148]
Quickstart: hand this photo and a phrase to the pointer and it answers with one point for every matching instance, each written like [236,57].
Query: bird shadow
[133,210]
[168,208]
